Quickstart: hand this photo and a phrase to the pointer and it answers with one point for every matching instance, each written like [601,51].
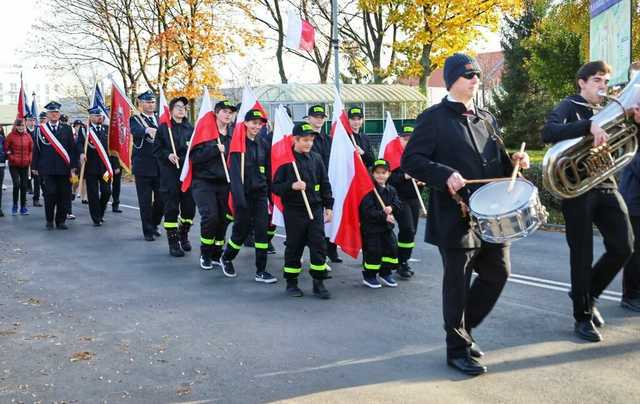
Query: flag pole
[224,162]
[304,193]
[415,186]
[335,42]
[86,145]
[242,167]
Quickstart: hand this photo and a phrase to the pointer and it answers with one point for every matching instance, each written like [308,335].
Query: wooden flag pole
[415,186]
[86,146]
[224,163]
[304,193]
[173,147]
[242,167]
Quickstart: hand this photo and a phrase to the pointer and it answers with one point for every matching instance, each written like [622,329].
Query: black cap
[147,96]
[380,163]
[28,116]
[64,118]
[456,65]
[317,110]
[175,100]
[407,130]
[225,104]
[42,115]
[254,114]
[355,112]
[304,129]
[53,106]
[77,122]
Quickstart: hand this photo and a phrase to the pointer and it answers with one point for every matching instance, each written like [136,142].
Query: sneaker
[388,280]
[205,263]
[14,210]
[265,277]
[371,282]
[24,211]
[71,216]
[228,269]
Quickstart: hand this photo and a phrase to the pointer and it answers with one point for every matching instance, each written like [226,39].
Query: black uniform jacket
[45,157]
[372,217]
[404,187]
[169,173]
[363,142]
[257,169]
[94,165]
[313,173]
[569,120]
[322,146]
[207,160]
[447,140]
[143,160]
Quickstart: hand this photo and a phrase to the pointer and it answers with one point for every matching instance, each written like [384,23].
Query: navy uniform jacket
[94,165]
[47,160]
[143,160]
[447,140]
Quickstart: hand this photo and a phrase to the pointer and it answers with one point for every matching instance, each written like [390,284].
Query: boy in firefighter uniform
[301,230]
[379,245]
[210,188]
[409,212]
[97,174]
[175,201]
[250,198]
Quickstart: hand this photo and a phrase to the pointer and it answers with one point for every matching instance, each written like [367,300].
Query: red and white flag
[23,106]
[300,33]
[350,182]
[339,114]
[102,153]
[55,143]
[120,141]
[205,130]
[390,148]
[164,113]
[281,154]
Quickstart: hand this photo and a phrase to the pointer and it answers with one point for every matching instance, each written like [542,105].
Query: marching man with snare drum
[601,204]
[452,143]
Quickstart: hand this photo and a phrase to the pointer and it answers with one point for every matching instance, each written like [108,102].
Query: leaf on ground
[88,339]
[183,390]
[6,333]
[82,356]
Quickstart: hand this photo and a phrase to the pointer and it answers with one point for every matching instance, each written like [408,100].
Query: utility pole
[335,43]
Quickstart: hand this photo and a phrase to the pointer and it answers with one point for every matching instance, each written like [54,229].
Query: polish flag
[300,33]
[339,114]
[281,154]
[205,130]
[164,112]
[23,106]
[350,182]
[390,148]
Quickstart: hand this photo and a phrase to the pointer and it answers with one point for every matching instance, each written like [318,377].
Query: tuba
[572,167]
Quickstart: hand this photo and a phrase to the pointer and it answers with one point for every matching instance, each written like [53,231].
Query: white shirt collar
[470,106]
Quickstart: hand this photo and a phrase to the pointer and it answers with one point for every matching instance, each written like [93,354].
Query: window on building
[394,108]
[373,110]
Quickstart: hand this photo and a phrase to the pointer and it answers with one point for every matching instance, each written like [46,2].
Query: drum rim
[484,215]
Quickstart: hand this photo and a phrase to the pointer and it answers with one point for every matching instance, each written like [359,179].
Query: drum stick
[516,169]
[415,186]
[304,193]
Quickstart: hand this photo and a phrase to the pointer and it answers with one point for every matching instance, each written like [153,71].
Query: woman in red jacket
[18,148]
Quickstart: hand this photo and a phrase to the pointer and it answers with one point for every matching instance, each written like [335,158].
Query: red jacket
[18,147]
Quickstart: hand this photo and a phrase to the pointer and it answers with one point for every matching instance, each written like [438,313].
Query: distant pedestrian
[18,147]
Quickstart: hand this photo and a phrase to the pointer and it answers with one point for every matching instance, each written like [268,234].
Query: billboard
[610,36]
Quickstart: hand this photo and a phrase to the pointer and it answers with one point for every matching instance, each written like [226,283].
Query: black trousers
[1,182]
[98,194]
[466,304]
[303,232]
[20,180]
[379,252]
[211,198]
[631,274]
[150,203]
[57,197]
[37,184]
[606,209]
[177,204]
[115,190]
[257,212]
[407,218]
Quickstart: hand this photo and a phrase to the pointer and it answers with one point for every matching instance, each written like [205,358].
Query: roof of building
[325,93]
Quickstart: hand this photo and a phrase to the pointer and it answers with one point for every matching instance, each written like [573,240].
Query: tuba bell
[572,167]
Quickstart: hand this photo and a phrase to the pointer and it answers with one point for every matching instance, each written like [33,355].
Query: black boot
[404,271]
[292,288]
[319,289]
[586,330]
[184,236]
[332,252]
[174,245]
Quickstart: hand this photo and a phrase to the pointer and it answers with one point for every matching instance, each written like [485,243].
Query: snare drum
[498,216]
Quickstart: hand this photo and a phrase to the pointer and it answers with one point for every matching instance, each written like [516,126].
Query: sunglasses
[471,74]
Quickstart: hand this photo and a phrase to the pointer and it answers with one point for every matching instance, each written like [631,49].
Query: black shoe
[149,237]
[467,365]
[631,304]
[62,226]
[157,233]
[404,272]
[85,202]
[271,249]
[37,204]
[292,288]
[1,212]
[183,231]
[206,263]
[228,270]
[334,257]
[49,225]
[116,210]
[597,318]
[587,331]
[175,250]
[319,289]
[475,351]
[265,277]
[97,224]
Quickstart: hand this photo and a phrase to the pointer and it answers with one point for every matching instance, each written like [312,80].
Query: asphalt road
[99,315]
